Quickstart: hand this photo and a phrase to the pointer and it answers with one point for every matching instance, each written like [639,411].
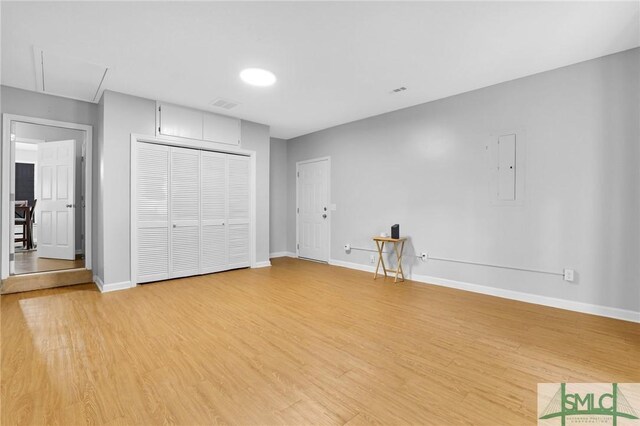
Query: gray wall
[123,115]
[278,196]
[424,167]
[255,137]
[98,196]
[114,119]
[32,104]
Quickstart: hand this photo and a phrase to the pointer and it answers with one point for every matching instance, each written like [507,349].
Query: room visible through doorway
[48,209]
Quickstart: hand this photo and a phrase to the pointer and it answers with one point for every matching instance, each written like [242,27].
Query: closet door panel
[213,202]
[238,193]
[239,245]
[185,212]
[184,254]
[152,212]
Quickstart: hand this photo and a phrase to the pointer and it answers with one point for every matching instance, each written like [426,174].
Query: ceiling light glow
[258,77]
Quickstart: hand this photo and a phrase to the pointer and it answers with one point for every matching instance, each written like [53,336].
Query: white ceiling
[335,62]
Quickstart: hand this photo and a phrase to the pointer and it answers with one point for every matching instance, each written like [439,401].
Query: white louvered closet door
[238,196]
[213,212]
[152,212]
[185,212]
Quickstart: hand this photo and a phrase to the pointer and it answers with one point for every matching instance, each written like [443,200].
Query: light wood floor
[28,262]
[298,343]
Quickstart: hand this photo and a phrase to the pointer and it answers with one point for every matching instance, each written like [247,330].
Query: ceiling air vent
[224,104]
[399,89]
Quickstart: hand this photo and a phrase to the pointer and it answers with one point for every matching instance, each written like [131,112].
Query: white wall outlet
[347,247]
[424,256]
[372,258]
[568,275]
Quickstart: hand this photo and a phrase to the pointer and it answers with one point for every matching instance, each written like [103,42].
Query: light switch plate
[333,207]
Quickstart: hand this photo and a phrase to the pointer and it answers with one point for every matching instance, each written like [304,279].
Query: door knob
[69,205]
[324,216]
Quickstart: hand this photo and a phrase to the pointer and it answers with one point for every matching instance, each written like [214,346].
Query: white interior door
[55,191]
[313,210]
[185,212]
[152,212]
[239,211]
[213,212]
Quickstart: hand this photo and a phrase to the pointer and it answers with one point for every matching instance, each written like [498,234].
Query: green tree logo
[613,404]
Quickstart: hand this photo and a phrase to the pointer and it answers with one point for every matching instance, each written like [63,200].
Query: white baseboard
[351,265]
[570,305]
[282,254]
[98,282]
[105,288]
[264,264]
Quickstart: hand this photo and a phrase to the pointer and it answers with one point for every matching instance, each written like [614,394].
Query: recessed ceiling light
[258,77]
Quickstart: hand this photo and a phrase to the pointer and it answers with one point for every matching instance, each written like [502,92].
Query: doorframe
[199,145]
[329,210]
[8,155]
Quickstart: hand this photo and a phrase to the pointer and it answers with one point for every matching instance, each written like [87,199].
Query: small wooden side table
[398,248]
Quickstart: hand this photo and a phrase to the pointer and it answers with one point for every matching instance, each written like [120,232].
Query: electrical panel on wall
[507,168]
[505,153]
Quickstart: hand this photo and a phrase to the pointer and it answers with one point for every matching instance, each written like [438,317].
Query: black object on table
[395,231]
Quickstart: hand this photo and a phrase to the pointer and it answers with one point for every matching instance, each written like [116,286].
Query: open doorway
[48,217]
[48,191]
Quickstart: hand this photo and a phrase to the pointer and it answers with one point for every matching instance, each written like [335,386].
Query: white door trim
[329,211]
[195,144]
[7,155]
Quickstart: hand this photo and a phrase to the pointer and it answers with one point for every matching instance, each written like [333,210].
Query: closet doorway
[192,209]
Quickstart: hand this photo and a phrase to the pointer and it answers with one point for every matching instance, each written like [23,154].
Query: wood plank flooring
[28,262]
[41,280]
[297,343]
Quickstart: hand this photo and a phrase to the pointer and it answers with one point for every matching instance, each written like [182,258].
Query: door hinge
[298,174]
[159,108]
[298,210]
[298,245]
[82,237]
[159,130]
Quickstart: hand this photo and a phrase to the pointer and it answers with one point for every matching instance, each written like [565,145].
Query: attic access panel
[69,77]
